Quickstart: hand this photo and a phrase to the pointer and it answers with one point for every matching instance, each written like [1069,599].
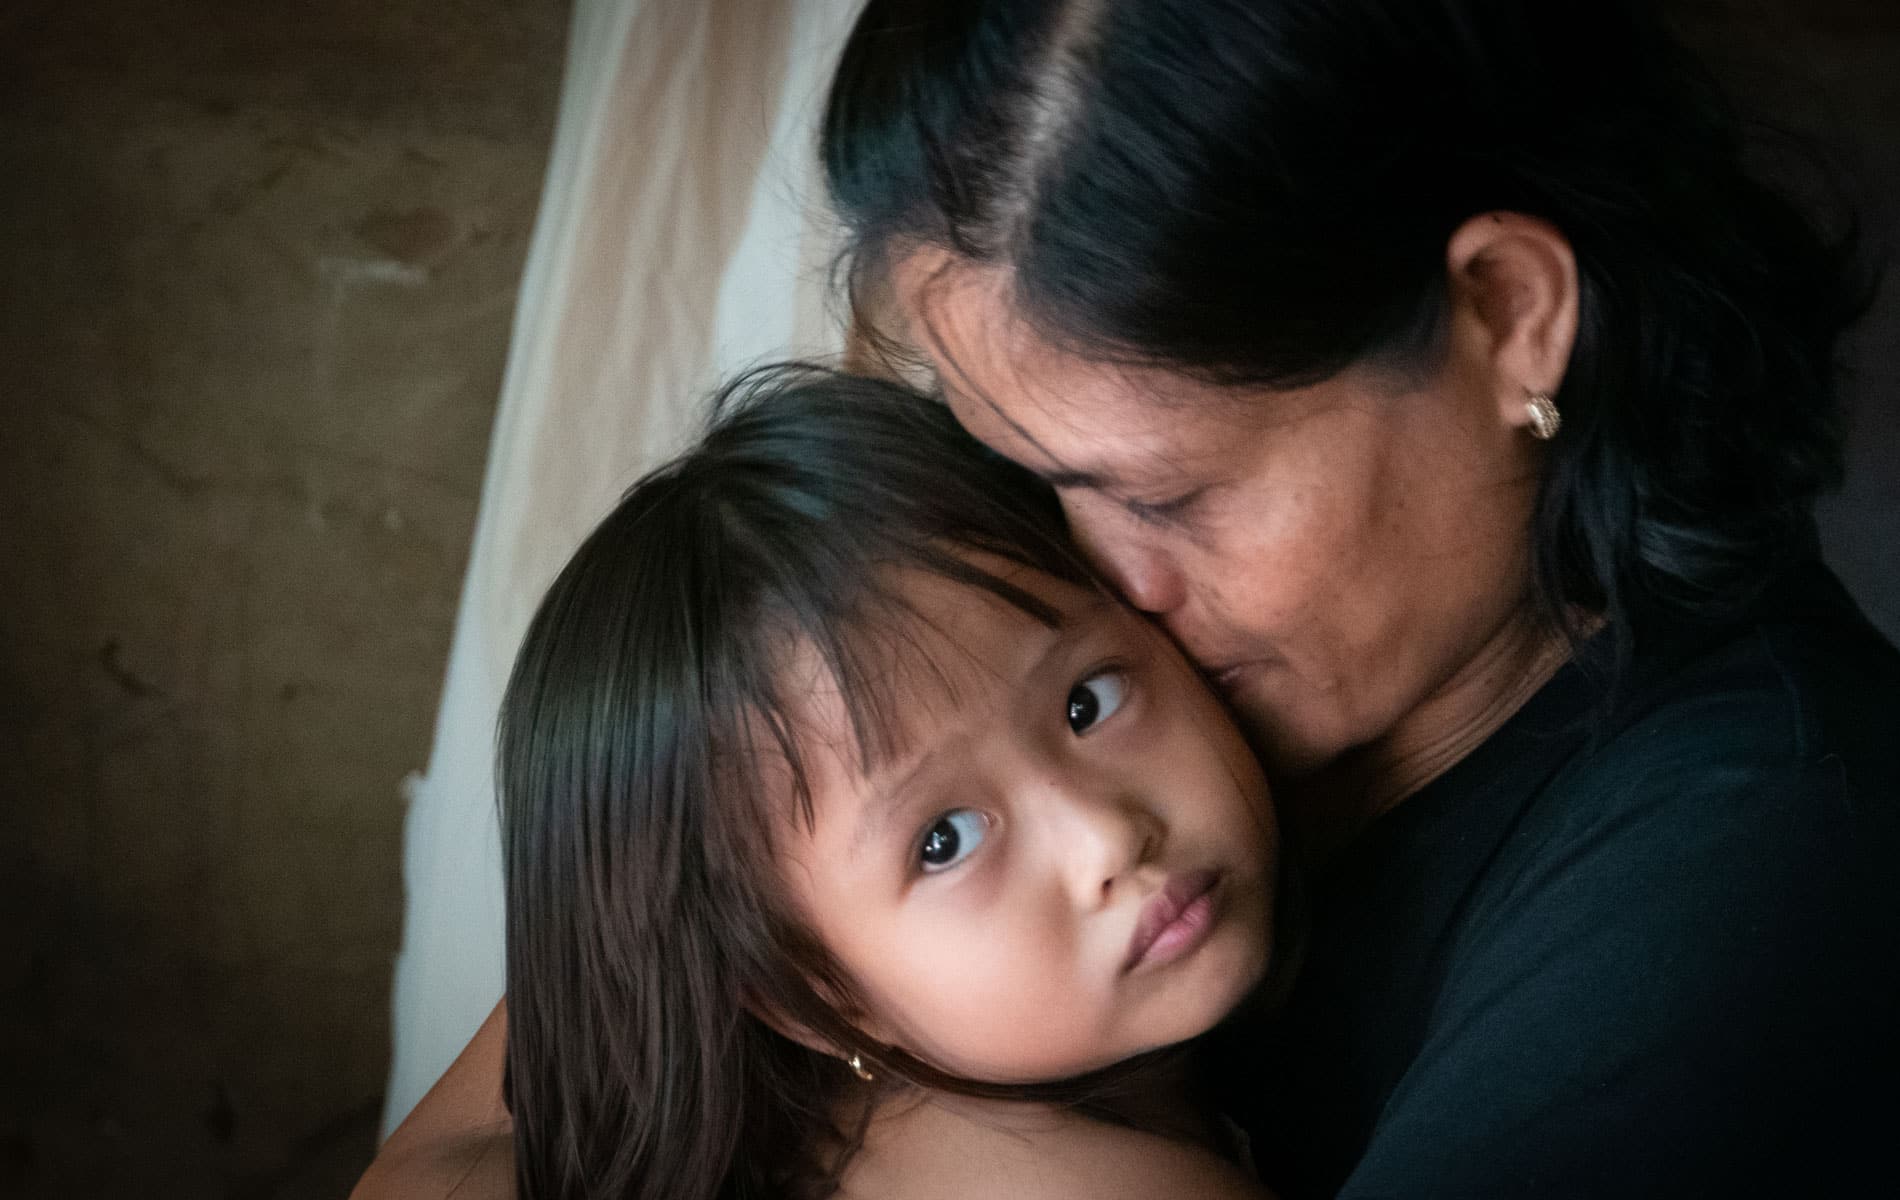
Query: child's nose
[1105,837]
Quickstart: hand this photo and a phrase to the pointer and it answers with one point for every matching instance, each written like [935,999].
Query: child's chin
[1234,967]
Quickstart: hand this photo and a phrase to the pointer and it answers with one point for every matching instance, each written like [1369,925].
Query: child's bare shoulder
[956,1149]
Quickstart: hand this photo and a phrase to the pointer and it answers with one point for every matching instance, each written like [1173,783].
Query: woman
[1437,375]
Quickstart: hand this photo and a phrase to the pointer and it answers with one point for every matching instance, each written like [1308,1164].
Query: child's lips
[1174,920]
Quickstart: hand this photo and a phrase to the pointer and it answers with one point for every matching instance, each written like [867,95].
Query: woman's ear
[1514,298]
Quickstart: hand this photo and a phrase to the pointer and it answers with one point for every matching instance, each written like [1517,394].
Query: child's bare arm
[459,1141]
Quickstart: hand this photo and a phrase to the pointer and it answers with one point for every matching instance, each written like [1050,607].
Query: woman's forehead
[1070,418]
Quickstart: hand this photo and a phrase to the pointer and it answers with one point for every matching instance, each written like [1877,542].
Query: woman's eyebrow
[1058,476]
[1072,480]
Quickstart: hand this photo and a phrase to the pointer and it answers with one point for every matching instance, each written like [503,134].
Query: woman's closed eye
[1172,510]
[1096,699]
[952,838]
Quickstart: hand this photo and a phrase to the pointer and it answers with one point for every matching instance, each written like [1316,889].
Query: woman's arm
[459,1141]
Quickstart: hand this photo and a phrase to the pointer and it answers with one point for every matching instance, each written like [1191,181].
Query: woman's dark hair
[1261,192]
[645,931]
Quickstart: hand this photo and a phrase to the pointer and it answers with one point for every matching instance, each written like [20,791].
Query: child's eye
[952,838]
[1095,699]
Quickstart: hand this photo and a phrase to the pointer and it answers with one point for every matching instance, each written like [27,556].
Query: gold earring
[857,1064]
[1545,419]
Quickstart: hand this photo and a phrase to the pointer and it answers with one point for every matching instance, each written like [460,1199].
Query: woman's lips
[1228,678]
[1174,921]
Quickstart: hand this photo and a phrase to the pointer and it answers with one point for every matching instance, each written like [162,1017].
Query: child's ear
[781,1022]
[789,1029]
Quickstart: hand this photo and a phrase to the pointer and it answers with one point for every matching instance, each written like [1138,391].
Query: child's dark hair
[645,931]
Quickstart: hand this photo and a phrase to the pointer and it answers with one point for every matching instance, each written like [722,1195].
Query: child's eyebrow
[885,800]
[880,806]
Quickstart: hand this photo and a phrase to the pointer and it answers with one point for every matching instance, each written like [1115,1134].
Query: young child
[857,841]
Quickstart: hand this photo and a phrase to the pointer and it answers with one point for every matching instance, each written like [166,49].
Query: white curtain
[681,236]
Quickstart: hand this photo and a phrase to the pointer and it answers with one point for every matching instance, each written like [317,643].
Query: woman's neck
[1327,809]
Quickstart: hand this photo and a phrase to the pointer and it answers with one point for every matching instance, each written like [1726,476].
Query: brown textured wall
[257,267]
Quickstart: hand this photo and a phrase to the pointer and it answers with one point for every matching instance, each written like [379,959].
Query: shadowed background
[257,269]
[257,266]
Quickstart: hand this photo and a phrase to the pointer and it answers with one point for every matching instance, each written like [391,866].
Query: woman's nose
[1143,572]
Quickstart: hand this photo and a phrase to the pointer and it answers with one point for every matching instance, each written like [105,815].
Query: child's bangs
[816,494]
[653,686]
[860,644]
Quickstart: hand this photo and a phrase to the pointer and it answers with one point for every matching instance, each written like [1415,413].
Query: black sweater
[1647,945]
